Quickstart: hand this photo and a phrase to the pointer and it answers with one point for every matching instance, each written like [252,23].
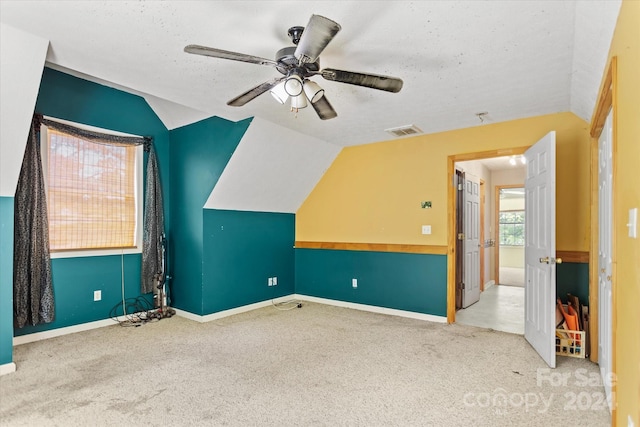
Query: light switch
[426,229]
[633,223]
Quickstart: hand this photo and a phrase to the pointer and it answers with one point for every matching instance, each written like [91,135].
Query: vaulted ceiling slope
[511,59]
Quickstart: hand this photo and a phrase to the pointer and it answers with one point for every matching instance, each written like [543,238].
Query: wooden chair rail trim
[374,247]
[581,257]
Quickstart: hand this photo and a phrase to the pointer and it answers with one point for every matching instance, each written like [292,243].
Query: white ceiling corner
[590,52]
[273,169]
[174,115]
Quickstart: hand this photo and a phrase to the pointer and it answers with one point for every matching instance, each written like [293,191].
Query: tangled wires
[135,311]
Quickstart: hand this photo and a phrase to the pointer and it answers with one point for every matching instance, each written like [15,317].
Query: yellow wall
[512,256]
[626,46]
[372,193]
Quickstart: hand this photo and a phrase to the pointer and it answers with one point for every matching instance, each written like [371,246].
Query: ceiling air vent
[404,130]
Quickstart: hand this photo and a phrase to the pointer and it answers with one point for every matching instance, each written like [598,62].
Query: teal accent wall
[6,280]
[74,279]
[199,154]
[573,278]
[241,251]
[411,282]
[70,98]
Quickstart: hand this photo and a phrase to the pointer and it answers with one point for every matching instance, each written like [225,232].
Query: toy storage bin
[570,343]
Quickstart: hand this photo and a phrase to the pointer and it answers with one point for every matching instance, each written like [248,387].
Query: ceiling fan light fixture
[293,85]
[296,64]
[313,91]
[298,102]
[279,93]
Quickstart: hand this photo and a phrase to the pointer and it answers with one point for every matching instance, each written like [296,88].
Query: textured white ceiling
[495,163]
[512,59]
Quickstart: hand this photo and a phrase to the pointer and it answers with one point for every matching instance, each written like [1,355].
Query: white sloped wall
[272,170]
[22,58]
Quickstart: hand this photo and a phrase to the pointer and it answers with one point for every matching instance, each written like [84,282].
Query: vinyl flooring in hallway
[501,307]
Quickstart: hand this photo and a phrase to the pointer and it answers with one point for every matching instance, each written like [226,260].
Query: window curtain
[32,284]
[153,221]
[153,232]
[29,245]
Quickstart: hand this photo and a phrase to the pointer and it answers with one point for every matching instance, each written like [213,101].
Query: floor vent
[404,130]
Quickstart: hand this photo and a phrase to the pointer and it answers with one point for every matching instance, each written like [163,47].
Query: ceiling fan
[297,64]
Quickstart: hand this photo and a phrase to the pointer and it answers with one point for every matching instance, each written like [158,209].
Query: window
[511,228]
[93,193]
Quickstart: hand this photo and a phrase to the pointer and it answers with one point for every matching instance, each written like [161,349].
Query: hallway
[500,307]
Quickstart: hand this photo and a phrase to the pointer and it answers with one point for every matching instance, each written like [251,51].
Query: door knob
[548,260]
[602,270]
[608,278]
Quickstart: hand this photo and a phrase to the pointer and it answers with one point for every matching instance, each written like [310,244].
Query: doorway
[500,308]
[540,252]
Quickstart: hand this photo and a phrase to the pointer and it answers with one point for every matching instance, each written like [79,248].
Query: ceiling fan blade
[315,37]
[252,93]
[324,109]
[387,83]
[225,54]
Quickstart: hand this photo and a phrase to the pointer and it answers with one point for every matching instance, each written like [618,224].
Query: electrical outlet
[270,281]
[354,283]
[97,295]
[426,229]
[275,281]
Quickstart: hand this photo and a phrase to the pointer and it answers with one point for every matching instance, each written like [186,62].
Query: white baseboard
[489,284]
[374,309]
[231,311]
[38,336]
[362,307]
[7,368]
[52,333]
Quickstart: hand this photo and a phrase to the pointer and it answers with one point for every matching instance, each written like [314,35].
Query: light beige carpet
[314,366]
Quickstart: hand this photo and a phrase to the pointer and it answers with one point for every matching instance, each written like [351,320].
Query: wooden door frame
[482,208]
[607,101]
[459,228]
[496,225]
[451,215]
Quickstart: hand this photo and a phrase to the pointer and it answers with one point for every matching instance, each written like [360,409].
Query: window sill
[95,253]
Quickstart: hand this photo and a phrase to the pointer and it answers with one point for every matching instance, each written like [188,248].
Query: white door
[471,292]
[605,224]
[540,248]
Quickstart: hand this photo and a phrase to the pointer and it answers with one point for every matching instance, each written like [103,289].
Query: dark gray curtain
[32,284]
[153,225]
[33,291]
